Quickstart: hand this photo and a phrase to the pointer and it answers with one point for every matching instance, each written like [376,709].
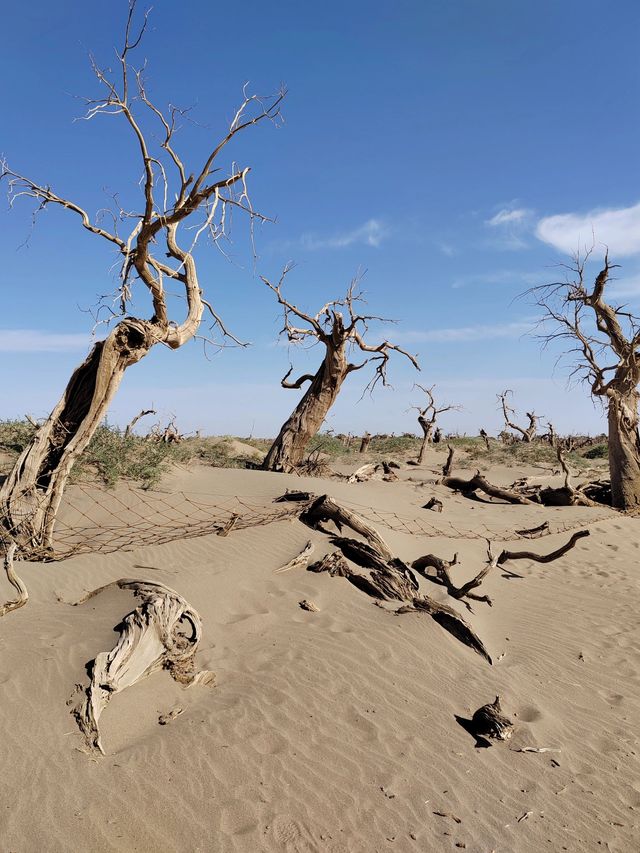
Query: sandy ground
[334,731]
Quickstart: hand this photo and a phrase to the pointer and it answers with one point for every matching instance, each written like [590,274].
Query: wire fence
[95,520]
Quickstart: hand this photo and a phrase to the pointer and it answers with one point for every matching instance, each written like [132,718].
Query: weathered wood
[335,564]
[542,558]
[535,532]
[489,721]
[364,444]
[480,483]
[10,549]
[389,578]
[299,562]
[434,505]
[163,632]
[443,577]
[325,508]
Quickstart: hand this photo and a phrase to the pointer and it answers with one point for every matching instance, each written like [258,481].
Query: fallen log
[325,509]
[480,483]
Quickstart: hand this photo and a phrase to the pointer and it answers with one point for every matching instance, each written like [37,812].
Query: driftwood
[442,568]
[364,473]
[325,509]
[163,632]
[293,496]
[480,483]
[521,492]
[389,579]
[434,505]
[299,562]
[225,529]
[335,564]
[305,604]
[542,558]
[535,532]
[14,580]
[444,578]
[489,721]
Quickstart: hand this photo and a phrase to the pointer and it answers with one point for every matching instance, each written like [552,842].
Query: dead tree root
[163,632]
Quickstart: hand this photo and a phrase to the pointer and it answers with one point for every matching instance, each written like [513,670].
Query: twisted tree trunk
[287,451]
[427,427]
[31,494]
[624,450]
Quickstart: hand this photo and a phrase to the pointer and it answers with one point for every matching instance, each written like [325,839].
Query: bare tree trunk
[364,444]
[31,494]
[427,427]
[624,451]
[287,451]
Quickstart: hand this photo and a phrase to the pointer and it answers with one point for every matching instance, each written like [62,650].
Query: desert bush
[112,456]
[600,451]
[15,435]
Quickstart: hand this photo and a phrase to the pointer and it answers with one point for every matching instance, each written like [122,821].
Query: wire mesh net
[95,520]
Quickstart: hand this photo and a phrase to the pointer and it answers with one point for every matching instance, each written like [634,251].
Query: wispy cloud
[510,225]
[508,217]
[466,334]
[371,233]
[617,228]
[34,340]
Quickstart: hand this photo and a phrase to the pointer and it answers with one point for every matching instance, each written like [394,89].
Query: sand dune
[334,731]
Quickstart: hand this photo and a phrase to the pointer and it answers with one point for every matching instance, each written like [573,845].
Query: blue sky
[457,151]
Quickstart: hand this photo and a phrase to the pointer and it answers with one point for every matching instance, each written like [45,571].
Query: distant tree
[526,433]
[427,417]
[606,351]
[339,335]
[201,198]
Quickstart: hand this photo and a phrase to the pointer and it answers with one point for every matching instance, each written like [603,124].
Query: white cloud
[466,334]
[33,340]
[619,229]
[508,217]
[371,233]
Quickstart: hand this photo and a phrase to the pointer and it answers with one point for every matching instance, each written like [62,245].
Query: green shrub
[599,451]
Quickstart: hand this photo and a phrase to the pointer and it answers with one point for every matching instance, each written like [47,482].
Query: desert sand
[334,731]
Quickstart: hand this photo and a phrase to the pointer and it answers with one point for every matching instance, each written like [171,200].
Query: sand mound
[332,731]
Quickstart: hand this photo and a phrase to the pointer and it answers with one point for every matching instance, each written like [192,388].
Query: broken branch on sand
[521,492]
[299,562]
[163,632]
[389,579]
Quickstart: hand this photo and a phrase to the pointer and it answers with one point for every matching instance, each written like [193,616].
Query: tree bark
[287,451]
[31,494]
[624,451]
[427,427]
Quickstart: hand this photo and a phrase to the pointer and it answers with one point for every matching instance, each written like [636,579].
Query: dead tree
[427,416]
[338,334]
[605,347]
[155,252]
[528,433]
[141,414]
[365,442]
